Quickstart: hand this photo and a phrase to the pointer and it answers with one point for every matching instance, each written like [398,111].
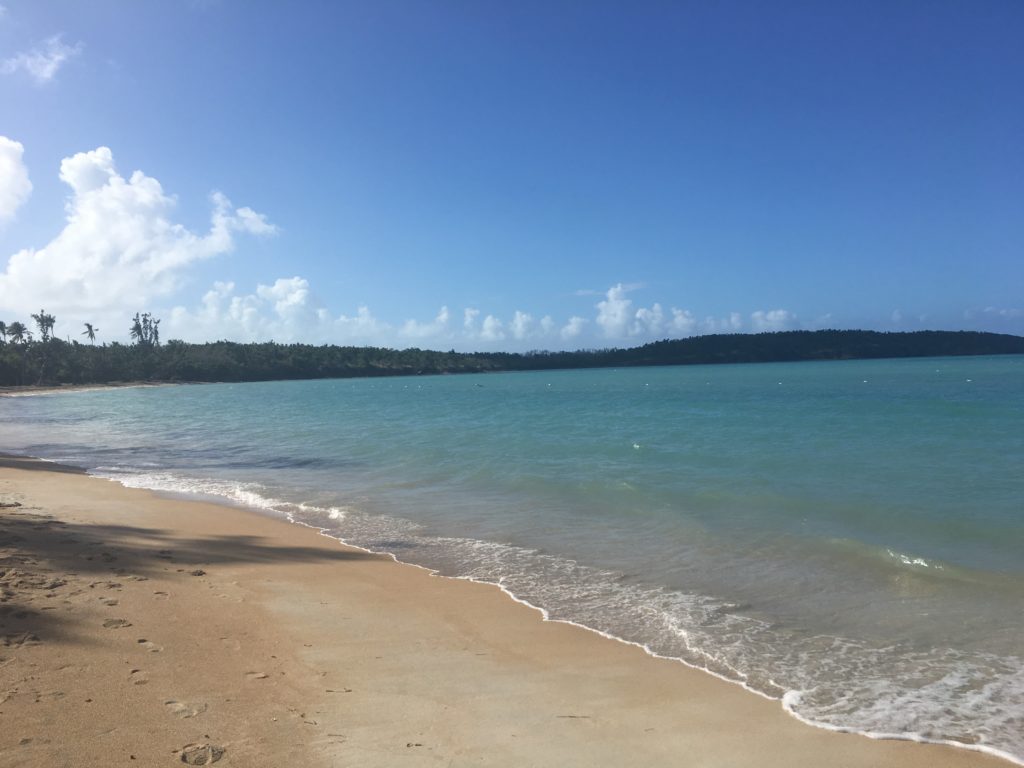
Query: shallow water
[847,536]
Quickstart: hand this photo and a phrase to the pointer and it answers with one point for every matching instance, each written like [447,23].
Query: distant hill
[55,361]
[788,346]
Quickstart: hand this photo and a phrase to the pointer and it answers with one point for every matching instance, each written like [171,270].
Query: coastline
[251,634]
[29,390]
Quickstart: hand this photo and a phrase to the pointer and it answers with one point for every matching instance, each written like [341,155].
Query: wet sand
[142,630]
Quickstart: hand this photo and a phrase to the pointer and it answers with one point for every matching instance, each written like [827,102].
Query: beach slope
[138,629]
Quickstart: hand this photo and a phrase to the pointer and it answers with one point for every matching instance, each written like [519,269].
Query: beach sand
[142,630]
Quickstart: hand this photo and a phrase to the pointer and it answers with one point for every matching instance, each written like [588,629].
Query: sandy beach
[144,630]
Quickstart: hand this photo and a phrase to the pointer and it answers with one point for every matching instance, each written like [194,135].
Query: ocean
[846,537]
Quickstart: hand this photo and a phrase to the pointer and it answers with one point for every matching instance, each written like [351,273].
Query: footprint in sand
[149,645]
[116,623]
[18,640]
[256,675]
[161,595]
[201,754]
[138,677]
[108,601]
[185,709]
[105,584]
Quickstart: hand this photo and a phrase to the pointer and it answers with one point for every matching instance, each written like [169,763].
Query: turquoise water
[847,537]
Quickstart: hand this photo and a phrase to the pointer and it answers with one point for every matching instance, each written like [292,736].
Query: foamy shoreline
[223,493]
[395,664]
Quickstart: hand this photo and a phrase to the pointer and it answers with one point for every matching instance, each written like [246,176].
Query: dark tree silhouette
[57,362]
[90,332]
[45,323]
[17,332]
[145,330]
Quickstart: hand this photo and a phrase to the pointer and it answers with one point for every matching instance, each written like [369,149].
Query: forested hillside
[25,360]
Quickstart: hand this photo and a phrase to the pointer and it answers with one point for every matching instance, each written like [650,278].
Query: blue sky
[484,175]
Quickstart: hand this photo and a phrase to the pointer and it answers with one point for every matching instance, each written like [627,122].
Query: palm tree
[3,330]
[145,330]
[17,332]
[90,332]
[45,323]
[136,329]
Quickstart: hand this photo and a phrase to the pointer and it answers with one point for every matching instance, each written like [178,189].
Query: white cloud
[413,329]
[614,312]
[617,318]
[649,321]
[773,320]
[362,328]
[573,328]
[15,186]
[683,322]
[492,329]
[285,311]
[731,323]
[119,248]
[42,62]
[521,325]
[290,296]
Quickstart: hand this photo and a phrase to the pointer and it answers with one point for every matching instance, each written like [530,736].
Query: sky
[480,175]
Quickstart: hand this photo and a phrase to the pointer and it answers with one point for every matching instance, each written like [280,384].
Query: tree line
[41,358]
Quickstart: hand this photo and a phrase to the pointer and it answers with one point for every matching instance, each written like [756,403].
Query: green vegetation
[49,360]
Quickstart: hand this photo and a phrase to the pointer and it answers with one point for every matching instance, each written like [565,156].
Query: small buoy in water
[636,446]
[970,380]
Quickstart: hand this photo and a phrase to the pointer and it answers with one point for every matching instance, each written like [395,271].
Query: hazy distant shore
[158,629]
[57,389]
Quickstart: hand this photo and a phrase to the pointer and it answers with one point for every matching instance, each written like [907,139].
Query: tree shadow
[47,565]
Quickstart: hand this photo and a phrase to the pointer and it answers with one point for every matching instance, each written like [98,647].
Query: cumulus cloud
[119,248]
[683,322]
[15,186]
[42,62]
[286,310]
[492,330]
[649,321]
[731,323]
[521,325]
[617,319]
[436,329]
[573,328]
[773,320]
[614,312]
